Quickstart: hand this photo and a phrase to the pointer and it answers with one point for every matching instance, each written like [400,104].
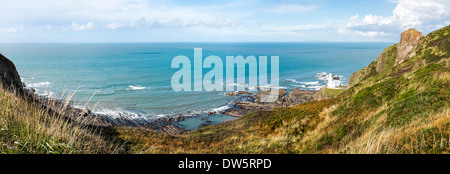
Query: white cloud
[177,23]
[422,14]
[377,20]
[78,27]
[8,30]
[354,17]
[111,14]
[293,8]
[238,19]
[343,30]
[115,25]
[425,16]
[292,28]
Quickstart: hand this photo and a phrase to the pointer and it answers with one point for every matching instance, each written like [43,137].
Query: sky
[43,21]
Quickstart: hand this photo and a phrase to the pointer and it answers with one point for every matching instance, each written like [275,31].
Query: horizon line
[199,42]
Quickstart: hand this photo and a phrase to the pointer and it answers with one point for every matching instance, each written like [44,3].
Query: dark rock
[9,76]
[245,92]
[296,96]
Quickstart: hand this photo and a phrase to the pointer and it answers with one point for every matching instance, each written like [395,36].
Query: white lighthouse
[333,81]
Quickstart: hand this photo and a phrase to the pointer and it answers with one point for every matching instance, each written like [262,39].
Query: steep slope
[27,127]
[400,102]
[397,104]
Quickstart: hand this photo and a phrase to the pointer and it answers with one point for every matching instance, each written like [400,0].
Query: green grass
[26,128]
[325,93]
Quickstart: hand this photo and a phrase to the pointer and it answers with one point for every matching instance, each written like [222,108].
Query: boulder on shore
[231,93]
[278,98]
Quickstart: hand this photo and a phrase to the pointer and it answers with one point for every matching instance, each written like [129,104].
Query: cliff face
[9,76]
[412,52]
[408,42]
[403,94]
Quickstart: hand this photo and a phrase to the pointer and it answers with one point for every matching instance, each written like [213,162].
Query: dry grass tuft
[27,128]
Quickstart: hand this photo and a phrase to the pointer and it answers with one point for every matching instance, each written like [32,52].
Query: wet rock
[245,92]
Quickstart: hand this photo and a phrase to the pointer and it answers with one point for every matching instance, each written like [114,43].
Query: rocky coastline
[87,117]
[243,103]
[247,102]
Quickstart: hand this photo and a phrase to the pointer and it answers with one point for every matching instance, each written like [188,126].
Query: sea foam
[37,85]
[138,87]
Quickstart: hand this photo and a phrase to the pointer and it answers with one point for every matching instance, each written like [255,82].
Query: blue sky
[217,20]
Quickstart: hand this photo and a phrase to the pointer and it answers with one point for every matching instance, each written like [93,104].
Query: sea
[134,79]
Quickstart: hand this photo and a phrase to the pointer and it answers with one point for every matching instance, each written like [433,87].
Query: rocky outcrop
[297,96]
[9,76]
[240,92]
[390,57]
[354,78]
[408,42]
[281,93]
[244,107]
[231,93]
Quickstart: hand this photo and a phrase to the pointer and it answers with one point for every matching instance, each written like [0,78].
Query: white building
[333,81]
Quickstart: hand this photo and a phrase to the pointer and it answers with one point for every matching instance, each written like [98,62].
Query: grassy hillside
[389,108]
[27,128]
[326,92]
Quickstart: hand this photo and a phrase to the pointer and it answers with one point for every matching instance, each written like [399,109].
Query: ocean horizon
[134,79]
